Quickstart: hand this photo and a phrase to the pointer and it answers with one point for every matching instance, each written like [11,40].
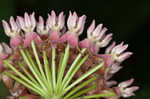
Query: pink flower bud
[29,37]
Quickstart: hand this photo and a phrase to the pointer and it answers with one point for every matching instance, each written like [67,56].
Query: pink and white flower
[13,31]
[28,24]
[96,38]
[55,25]
[75,25]
[41,28]
[117,52]
[123,89]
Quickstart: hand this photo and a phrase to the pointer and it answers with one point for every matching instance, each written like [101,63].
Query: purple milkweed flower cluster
[39,43]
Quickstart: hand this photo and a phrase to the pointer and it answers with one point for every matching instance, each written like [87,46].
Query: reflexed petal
[31,36]
[54,36]
[86,43]
[73,40]
[15,41]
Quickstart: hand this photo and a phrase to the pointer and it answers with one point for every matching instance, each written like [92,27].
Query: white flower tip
[75,14]
[11,19]
[91,28]
[131,81]
[61,14]
[70,13]
[33,14]
[53,13]
[26,15]
[41,20]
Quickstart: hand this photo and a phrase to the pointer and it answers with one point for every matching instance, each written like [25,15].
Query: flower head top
[46,60]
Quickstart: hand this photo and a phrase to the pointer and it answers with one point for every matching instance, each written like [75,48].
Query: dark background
[129,20]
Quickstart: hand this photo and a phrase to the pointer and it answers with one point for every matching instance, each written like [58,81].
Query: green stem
[22,82]
[53,68]
[62,68]
[37,90]
[95,68]
[33,68]
[74,71]
[37,59]
[73,66]
[48,71]
[26,72]
[83,92]
[20,74]
[79,87]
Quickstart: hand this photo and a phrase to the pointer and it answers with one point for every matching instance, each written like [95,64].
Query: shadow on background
[129,20]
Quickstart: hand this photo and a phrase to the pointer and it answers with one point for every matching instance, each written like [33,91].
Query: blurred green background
[129,20]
